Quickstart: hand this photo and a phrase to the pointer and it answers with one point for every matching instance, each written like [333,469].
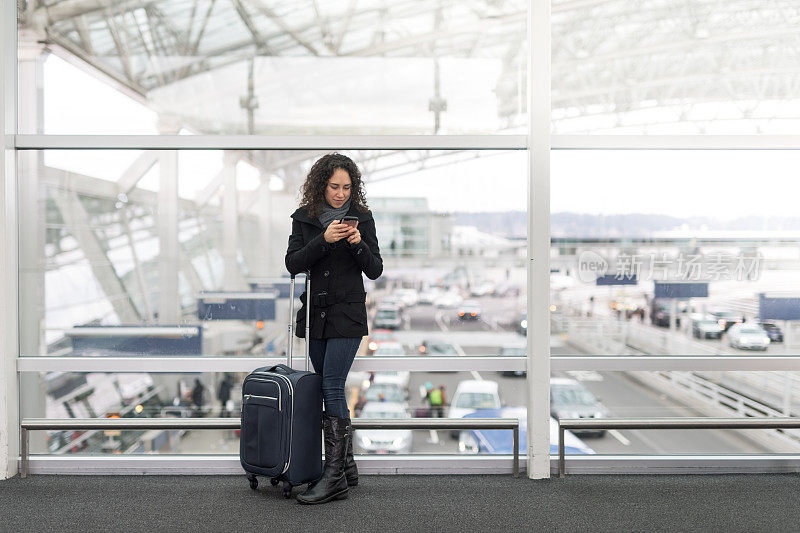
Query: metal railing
[666,423]
[66,424]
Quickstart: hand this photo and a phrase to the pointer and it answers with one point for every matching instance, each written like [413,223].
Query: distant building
[407,228]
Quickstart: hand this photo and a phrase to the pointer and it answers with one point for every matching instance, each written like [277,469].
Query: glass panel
[159,395]
[139,238]
[676,395]
[276,67]
[674,68]
[575,394]
[675,252]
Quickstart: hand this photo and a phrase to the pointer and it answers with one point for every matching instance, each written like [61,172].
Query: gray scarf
[329,214]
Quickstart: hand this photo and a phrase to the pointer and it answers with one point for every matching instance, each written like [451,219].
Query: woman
[336,254]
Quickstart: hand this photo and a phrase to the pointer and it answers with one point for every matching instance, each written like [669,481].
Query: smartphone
[350,221]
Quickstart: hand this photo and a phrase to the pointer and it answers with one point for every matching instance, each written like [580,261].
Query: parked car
[505,290]
[384,392]
[704,327]
[377,337]
[387,317]
[383,440]
[482,288]
[400,378]
[774,332]
[409,297]
[569,398]
[496,441]
[448,299]
[748,337]
[392,301]
[428,296]
[471,395]
[469,310]
[513,351]
[726,318]
[661,310]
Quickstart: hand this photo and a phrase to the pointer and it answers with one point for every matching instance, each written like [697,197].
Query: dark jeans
[332,358]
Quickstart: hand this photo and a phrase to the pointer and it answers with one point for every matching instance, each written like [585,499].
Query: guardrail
[40,424]
[666,423]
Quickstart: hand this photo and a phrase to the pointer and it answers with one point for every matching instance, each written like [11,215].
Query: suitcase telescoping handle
[291,319]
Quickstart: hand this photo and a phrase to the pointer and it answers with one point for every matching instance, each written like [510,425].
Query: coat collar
[301,214]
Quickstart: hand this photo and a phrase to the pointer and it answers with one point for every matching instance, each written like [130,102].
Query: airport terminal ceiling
[249,66]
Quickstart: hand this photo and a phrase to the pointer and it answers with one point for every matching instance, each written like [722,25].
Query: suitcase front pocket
[262,433]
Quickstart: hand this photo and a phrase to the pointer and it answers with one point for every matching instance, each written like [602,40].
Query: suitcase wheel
[287,490]
[273,481]
[253,481]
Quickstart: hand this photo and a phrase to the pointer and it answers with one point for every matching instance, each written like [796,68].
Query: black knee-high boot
[350,468]
[333,484]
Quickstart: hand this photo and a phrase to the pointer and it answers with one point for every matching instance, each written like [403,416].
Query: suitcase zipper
[291,417]
[262,397]
[267,397]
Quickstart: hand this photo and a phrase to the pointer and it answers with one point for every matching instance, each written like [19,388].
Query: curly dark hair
[313,190]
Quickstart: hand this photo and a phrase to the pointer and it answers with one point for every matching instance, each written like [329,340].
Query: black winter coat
[338,306]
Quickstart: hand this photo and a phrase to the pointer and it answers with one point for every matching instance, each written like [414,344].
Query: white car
[428,296]
[387,317]
[469,310]
[474,394]
[448,299]
[398,377]
[409,297]
[748,337]
[385,392]
[482,288]
[383,440]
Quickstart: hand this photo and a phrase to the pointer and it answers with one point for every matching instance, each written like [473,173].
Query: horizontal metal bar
[144,331]
[436,423]
[270,142]
[676,362]
[264,295]
[30,424]
[675,142]
[61,424]
[666,423]
[151,464]
[680,423]
[403,142]
[231,465]
[175,364]
[679,464]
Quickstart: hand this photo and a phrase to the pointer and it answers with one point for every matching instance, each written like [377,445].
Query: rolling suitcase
[281,435]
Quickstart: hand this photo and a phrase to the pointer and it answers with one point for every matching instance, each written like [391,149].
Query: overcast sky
[720,184]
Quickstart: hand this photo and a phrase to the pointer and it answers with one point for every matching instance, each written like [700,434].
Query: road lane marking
[434,437]
[439,317]
[617,435]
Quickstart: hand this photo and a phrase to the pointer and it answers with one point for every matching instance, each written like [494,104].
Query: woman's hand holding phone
[337,231]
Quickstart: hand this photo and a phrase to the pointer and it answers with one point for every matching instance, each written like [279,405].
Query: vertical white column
[230,226]
[9,326]
[31,221]
[538,239]
[168,260]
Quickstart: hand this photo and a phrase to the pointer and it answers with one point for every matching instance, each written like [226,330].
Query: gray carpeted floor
[406,503]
